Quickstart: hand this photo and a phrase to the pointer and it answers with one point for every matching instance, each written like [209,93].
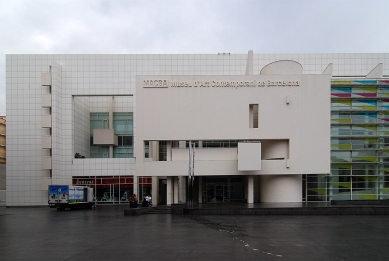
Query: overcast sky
[185,26]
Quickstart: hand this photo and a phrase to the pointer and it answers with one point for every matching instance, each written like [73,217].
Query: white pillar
[175,190]
[110,117]
[135,185]
[183,182]
[154,150]
[169,190]
[250,189]
[155,190]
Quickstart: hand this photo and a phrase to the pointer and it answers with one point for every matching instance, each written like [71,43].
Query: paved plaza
[106,234]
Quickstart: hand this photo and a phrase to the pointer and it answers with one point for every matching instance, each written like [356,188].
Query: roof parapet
[250,64]
[377,72]
[282,67]
[329,69]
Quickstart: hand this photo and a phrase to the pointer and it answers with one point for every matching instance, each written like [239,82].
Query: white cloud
[190,26]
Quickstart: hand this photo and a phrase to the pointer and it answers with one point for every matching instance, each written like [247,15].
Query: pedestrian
[133,201]
[148,199]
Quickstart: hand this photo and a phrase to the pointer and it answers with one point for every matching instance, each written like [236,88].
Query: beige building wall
[222,113]
[284,110]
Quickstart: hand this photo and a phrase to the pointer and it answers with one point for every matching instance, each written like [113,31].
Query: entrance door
[223,189]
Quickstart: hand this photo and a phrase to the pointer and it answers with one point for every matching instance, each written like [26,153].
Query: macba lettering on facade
[234,84]
[155,83]
[180,84]
[283,83]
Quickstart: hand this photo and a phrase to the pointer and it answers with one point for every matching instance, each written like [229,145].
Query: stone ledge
[360,202]
[352,210]
[135,211]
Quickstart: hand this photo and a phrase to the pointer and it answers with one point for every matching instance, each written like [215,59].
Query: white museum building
[264,127]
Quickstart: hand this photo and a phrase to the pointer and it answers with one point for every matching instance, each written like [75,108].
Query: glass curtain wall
[98,120]
[115,189]
[359,144]
[123,128]
[108,189]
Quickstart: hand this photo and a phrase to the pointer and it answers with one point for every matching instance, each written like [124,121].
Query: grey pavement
[106,234]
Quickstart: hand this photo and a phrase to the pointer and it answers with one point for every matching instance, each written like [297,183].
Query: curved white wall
[281,188]
[282,67]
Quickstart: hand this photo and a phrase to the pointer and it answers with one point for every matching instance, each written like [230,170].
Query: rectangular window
[163,150]
[147,149]
[99,120]
[253,115]
[123,123]
[124,140]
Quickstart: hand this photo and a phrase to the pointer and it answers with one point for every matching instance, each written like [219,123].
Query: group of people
[134,201]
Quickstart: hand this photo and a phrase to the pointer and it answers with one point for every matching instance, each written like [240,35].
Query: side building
[264,127]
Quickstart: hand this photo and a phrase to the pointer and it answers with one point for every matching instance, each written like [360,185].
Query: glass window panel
[340,117]
[384,143]
[337,105]
[369,167]
[340,156]
[366,92]
[364,130]
[364,104]
[123,123]
[383,105]
[99,152]
[341,195]
[338,172]
[127,140]
[341,92]
[384,156]
[364,117]
[364,156]
[340,130]
[383,91]
[364,183]
[98,120]
[364,143]
[383,117]
[383,130]
[340,144]
[122,152]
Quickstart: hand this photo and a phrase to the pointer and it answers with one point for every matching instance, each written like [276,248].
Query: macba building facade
[240,127]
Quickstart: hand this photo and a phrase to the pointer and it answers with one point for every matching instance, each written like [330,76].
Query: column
[154,150]
[110,112]
[154,190]
[250,189]
[135,185]
[175,190]
[182,183]
[169,189]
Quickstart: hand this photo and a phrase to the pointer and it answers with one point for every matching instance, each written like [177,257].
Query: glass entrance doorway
[223,189]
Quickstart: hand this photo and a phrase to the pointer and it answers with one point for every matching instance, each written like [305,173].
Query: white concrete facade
[80,84]
[181,108]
